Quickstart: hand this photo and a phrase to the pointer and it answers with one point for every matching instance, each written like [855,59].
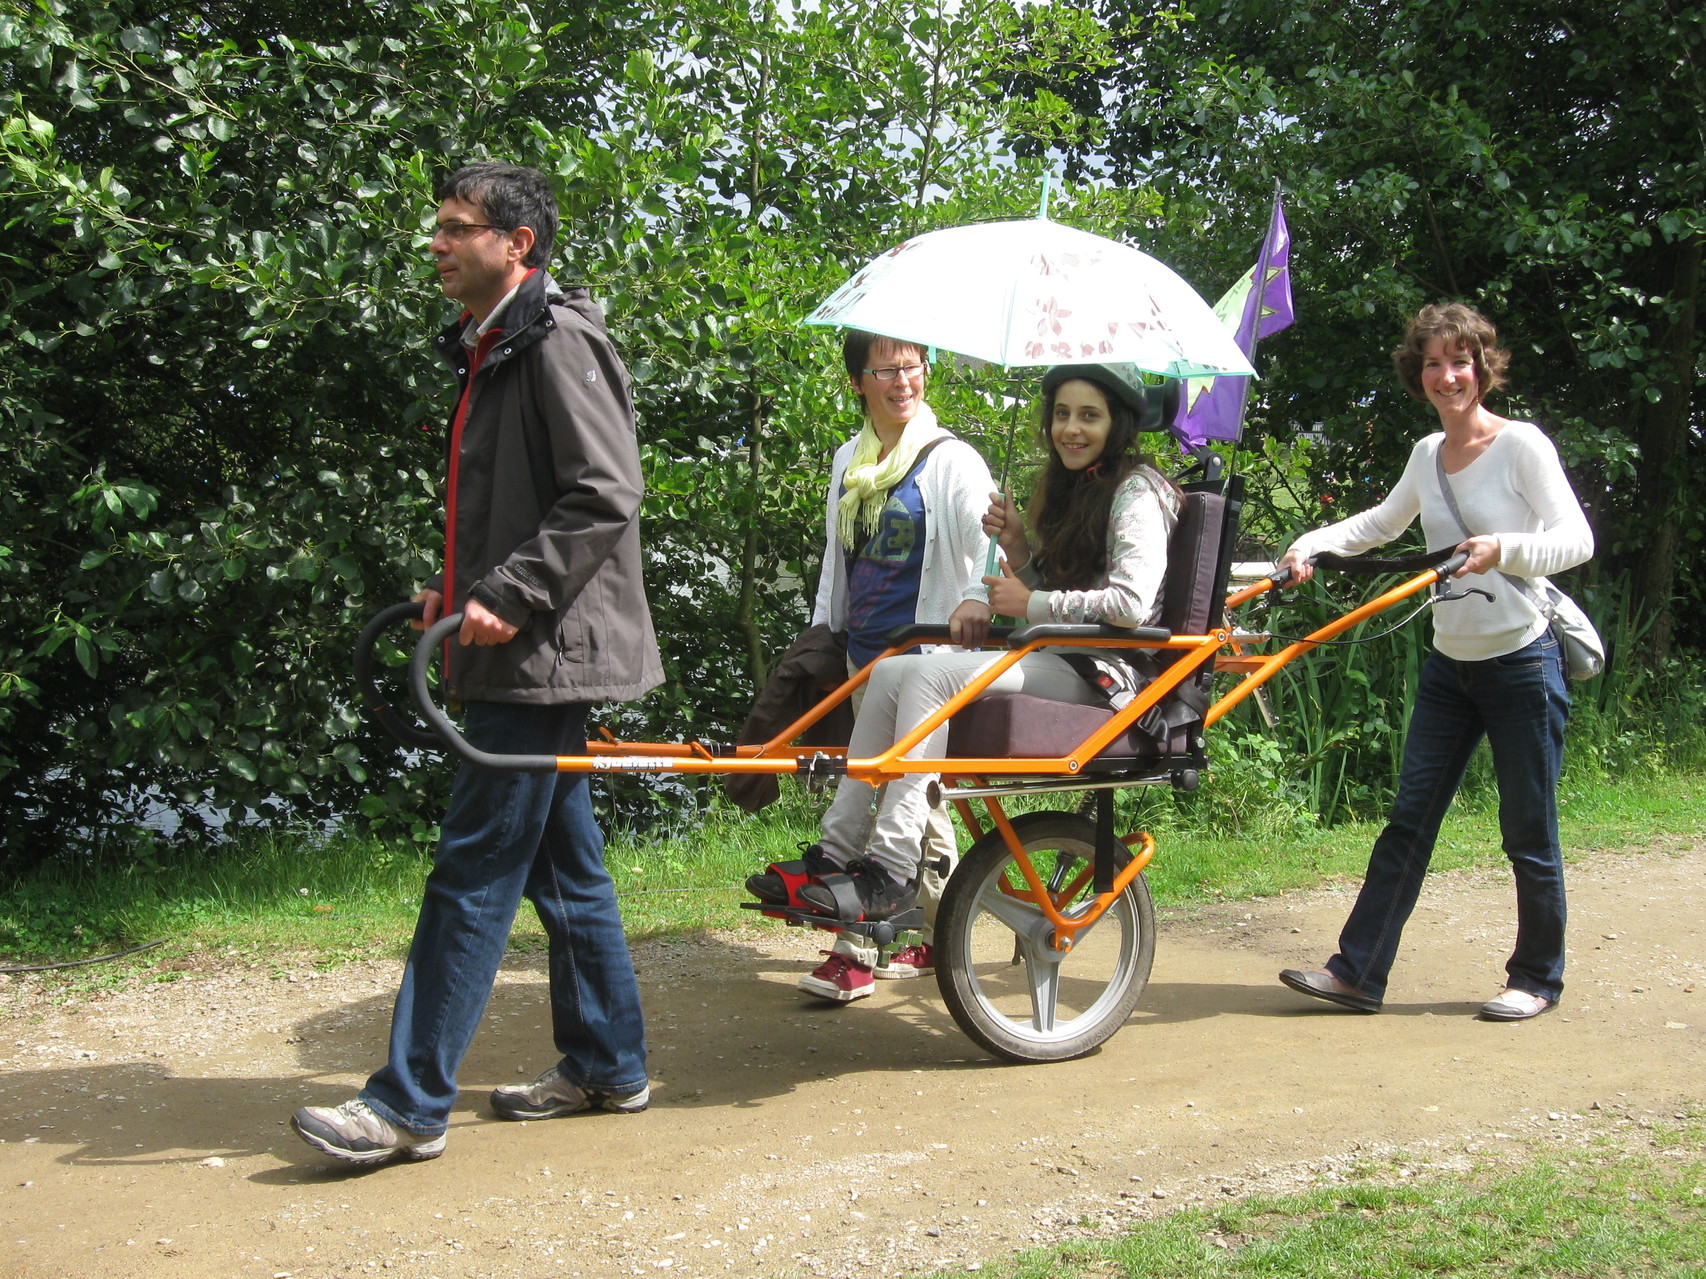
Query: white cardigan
[954,485]
[1517,489]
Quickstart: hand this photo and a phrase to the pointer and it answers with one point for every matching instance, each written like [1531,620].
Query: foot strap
[794,877]
[848,908]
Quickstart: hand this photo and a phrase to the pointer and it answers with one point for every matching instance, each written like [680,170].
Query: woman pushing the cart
[1496,489]
[1102,516]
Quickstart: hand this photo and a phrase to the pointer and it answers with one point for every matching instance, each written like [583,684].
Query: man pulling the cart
[542,557]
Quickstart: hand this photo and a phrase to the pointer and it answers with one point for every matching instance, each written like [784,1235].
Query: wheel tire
[1002,997]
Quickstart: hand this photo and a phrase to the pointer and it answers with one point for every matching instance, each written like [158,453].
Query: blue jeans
[506,836]
[1519,703]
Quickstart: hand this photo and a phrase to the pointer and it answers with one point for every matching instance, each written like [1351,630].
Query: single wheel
[1006,986]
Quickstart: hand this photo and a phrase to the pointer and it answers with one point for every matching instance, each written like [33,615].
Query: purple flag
[1258,306]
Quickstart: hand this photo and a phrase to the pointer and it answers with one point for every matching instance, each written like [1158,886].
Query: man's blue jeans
[1519,702]
[506,836]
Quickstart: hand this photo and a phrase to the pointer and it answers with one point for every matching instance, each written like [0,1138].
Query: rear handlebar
[409,734]
[1445,561]
[440,734]
[449,735]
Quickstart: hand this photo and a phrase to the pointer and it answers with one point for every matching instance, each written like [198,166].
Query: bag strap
[1539,605]
[1445,489]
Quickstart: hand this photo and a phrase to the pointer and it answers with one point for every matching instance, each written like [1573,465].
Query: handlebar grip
[368,686]
[1450,566]
[1374,565]
[448,734]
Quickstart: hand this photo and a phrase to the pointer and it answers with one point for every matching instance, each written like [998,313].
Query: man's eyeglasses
[891,372]
[462,230]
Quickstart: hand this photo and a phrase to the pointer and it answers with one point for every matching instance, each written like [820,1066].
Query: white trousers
[893,823]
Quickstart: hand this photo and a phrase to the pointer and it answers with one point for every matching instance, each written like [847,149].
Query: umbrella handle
[989,568]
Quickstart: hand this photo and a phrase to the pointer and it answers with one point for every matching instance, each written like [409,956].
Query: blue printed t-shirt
[883,582]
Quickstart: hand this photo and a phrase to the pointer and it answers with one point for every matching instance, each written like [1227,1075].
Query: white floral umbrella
[1036,292]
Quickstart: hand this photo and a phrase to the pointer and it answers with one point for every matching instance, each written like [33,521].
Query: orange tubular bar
[775,756]
[1065,930]
[1141,857]
[974,828]
[1262,669]
[778,757]
[1249,592]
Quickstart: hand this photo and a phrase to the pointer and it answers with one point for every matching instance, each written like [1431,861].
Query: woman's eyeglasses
[891,372]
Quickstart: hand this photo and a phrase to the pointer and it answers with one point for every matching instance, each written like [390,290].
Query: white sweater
[954,485]
[1141,520]
[1516,489]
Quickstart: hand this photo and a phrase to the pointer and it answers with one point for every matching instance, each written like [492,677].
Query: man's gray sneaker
[552,1095]
[354,1133]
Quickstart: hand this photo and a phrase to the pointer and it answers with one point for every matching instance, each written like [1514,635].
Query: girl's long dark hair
[1070,509]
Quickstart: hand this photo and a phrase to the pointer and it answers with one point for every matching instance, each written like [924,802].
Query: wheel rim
[1044,999]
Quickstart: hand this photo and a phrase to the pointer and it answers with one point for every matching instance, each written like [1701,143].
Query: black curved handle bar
[393,723]
[1444,561]
[448,733]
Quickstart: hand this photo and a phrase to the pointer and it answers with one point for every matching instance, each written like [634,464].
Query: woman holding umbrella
[1102,516]
[903,543]
[1493,487]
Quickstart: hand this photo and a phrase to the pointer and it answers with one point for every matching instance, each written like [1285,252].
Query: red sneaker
[910,961]
[839,978]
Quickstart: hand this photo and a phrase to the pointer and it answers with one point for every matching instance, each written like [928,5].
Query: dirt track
[143,1133]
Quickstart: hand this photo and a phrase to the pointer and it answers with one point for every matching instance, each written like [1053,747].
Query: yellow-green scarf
[866,482]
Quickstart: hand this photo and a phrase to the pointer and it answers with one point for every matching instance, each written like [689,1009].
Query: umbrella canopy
[1035,292]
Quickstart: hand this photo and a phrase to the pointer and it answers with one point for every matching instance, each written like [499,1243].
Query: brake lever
[1445,573]
[1276,596]
[1465,593]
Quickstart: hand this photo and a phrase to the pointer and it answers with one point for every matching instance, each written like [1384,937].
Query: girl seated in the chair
[1102,515]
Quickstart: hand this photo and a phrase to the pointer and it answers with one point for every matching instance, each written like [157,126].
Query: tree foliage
[1544,162]
[228,426]
[228,434]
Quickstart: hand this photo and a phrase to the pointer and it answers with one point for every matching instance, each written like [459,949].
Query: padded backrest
[1198,557]
[1190,598]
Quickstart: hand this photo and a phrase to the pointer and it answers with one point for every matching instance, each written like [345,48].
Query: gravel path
[142,1130]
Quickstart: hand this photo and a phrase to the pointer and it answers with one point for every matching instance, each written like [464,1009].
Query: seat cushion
[1016,726]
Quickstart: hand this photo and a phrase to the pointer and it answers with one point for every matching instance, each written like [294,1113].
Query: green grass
[343,897]
[1594,817]
[332,899]
[1612,1207]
